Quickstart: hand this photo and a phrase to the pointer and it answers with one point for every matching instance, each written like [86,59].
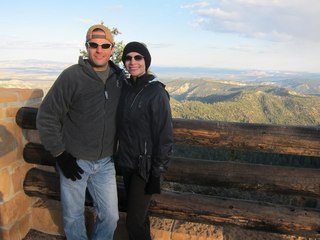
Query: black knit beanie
[139,48]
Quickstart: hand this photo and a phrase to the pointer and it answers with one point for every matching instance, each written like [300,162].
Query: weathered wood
[298,140]
[26,117]
[193,207]
[277,179]
[252,214]
[44,184]
[247,214]
[39,183]
[36,153]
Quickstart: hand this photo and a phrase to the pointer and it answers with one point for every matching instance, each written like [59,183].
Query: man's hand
[68,165]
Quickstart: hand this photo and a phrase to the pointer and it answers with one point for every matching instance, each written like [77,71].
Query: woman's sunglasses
[95,45]
[136,57]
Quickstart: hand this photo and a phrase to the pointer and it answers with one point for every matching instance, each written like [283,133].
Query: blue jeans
[100,178]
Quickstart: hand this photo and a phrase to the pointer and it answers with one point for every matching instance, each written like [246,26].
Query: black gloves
[153,185]
[68,165]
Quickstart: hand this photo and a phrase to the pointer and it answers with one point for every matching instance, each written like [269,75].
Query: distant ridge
[304,82]
[251,103]
[233,74]
[218,73]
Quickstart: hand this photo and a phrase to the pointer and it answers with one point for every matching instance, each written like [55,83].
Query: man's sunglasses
[95,45]
[136,57]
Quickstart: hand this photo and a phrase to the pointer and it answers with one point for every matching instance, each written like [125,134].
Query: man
[76,122]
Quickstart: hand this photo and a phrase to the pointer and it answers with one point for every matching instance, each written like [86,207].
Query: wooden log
[44,184]
[297,140]
[37,182]
[205,209]
[262,178]
[26,117]
[35,153]
[246,214]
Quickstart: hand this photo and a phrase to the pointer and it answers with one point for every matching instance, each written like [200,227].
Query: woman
[145,137]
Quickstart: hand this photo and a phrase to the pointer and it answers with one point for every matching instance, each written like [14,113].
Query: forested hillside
[239,102]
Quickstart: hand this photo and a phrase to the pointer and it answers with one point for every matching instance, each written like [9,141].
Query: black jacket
[144,126]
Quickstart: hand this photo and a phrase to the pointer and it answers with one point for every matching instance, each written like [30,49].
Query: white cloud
[216,12]
[272,20]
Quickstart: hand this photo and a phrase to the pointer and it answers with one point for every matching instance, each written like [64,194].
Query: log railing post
[297,140]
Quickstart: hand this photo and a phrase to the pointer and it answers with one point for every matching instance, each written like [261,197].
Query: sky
[279,35]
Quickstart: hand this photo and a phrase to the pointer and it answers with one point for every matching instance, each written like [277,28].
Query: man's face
[99,54]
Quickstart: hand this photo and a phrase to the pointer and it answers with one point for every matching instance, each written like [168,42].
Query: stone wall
[15,206]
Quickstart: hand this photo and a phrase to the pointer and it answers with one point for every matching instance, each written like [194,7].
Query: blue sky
[239,34]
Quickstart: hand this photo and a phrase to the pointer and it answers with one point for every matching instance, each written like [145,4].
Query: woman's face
[135,64]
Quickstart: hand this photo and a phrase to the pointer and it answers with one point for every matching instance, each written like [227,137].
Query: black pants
[137,222]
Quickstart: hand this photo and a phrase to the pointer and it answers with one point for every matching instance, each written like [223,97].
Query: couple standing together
[91,112]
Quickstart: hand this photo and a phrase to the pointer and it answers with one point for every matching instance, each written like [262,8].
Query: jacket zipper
[136,97]
[145,148]
[104,127]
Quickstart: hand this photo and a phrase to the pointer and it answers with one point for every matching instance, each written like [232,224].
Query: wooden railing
[278,199]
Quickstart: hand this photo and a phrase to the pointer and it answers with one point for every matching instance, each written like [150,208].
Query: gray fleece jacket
[79,112]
